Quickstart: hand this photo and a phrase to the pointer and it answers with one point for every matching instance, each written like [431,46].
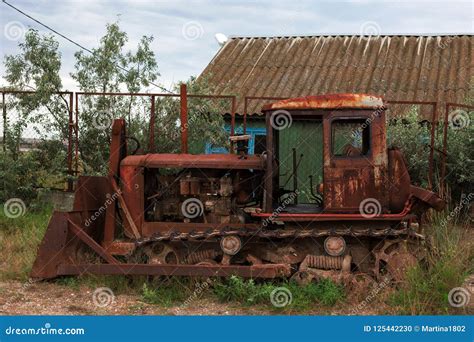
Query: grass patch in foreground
[19,239]
[449,260]
[172,291]
[249,292]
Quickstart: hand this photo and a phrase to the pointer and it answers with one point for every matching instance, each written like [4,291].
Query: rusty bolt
[335,245]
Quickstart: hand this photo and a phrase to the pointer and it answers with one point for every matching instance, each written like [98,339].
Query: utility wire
[73,42]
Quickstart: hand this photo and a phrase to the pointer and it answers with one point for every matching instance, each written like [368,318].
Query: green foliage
[19,239]
[19,177]
[110,68]
[35,68]
[246,292]
[249,292]
[413,138]
[23,173]
[449,260]
[324,291]
[165,294]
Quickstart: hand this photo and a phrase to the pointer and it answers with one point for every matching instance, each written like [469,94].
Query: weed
[246,292]
[166,294]
[448,261]
[19,239]
[249,292]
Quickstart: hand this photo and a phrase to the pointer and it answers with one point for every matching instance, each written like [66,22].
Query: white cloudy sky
[178,57]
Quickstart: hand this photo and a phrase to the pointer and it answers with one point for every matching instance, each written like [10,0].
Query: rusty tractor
[229,214]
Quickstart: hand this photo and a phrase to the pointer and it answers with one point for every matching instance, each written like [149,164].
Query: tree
[111,69]
[107,68]
[36,68]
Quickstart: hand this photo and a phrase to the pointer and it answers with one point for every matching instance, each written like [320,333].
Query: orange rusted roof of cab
[329,101]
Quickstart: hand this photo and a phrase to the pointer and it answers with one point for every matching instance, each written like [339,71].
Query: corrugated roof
[396,67]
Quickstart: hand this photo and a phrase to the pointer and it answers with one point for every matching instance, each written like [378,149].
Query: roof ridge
[356,35]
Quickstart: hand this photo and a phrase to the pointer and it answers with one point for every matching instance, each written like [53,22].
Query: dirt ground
[43,298]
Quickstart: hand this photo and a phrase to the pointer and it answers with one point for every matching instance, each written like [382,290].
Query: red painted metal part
[118,150]
[184,118]
[151,143]
[70,172]
[81,234]
[334,217]
[76,134]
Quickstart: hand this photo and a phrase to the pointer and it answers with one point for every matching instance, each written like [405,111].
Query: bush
[413,138]
[19,176]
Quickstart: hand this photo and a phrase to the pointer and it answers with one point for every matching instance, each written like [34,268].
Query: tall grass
[19,239]
[449,260]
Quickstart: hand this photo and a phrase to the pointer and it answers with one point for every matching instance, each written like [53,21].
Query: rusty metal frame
[183,95]
[115,267]
[254,271]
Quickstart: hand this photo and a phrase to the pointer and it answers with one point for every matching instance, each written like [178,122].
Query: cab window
[350,137]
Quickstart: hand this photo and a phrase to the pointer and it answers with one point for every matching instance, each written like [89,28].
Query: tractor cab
[326,154]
